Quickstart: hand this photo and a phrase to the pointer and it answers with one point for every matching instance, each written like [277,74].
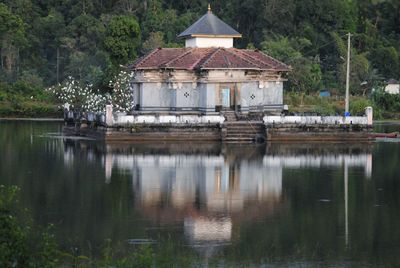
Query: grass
[334,105]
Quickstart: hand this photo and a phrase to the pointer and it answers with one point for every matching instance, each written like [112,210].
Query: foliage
[12,37]
[306,75]
[357,107]
[42,43]
[83,97]
[386,101]
[20,246]
[122,38]
[302,103]
[122,96]
[79,96]
[154,41]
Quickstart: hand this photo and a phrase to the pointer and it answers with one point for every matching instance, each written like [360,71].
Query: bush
[386,101]
[324,110]
[24,108]
[357,107]
[3,96]
[20,246]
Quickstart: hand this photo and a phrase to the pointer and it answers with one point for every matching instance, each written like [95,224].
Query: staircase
[235,131]
[230,116]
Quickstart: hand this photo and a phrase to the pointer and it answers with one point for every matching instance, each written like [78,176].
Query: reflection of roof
[210,25]
[393,82]
[208,58]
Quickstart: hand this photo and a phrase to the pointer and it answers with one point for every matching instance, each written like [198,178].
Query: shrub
[357,107]
[20,246]
[386,101]
[324,110]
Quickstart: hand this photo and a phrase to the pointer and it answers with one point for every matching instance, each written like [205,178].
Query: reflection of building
[178,180]
[210,189]
[215,184]
[361,160]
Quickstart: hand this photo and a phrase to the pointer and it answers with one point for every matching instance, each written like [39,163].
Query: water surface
[224,205]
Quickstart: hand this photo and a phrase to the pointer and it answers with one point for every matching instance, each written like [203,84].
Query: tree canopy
[47,41]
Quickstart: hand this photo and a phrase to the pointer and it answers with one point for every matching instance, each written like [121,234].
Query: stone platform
[226,126]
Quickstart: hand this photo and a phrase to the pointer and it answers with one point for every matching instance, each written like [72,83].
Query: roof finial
[209,8]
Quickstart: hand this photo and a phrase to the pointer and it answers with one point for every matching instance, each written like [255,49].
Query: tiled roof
[209,24]
[208,58]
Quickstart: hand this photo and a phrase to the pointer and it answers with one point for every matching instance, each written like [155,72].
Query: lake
[211,204]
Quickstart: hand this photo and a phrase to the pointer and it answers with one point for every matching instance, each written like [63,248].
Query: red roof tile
[208,58]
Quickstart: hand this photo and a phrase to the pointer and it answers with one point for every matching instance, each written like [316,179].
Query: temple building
[208,75]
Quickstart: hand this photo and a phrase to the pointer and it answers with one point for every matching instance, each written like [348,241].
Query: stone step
[244,126]
[251,137]
[245,129]
[249,132]
[241,140]
[241,123]
[246,132]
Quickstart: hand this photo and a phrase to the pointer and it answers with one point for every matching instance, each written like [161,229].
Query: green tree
[387,61]
[306,74]
[122,38]
[13,38]
[155,40]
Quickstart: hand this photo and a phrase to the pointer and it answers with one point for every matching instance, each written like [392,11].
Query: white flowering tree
[122,94]
[83,97]
[79,96]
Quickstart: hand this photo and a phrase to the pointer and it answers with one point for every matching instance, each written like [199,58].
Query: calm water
[298,205]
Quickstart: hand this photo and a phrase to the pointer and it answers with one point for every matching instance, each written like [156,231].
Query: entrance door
[226,97]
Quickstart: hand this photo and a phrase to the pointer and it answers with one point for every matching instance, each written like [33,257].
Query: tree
[155,40]
[306,75]
[12,36]
[122,38]
[387,60]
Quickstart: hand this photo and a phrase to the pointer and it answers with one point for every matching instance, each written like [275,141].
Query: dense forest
[44,41]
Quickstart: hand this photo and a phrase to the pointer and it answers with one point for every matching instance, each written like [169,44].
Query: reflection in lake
[285,204]
[210,188]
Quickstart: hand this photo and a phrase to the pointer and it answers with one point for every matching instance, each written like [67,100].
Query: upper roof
[209,25]
[208,58]
[393,82]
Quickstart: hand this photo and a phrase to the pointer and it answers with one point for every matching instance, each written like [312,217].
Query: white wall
[317,120]
[187,96]
[209,42]
[269,95]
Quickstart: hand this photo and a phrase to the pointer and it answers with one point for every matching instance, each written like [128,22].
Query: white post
[66,106]
[369,114]
[348,75]
[109,115]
